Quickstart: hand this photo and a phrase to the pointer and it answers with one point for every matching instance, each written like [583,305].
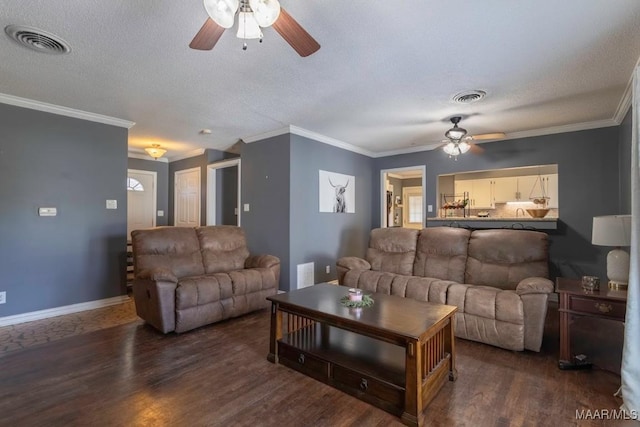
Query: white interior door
[412,207]
[187,198]
[141,200]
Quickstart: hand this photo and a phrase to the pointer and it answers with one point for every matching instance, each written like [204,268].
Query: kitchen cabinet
[480,192]
[505,189]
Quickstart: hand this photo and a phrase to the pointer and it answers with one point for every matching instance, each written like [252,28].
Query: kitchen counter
[476,222]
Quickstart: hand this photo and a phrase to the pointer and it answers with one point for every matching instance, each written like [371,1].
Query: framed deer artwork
[337,192]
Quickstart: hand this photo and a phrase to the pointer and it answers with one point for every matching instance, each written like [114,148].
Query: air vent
[469,96]
[37,40]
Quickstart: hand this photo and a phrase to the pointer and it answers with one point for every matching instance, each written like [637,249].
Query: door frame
[383,190]
[154,194]
[175,192]
[212,168]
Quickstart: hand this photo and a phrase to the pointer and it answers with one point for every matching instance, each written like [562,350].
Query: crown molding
[188,154]
[266,135]
[64,111]
[575,127]
[627,97]
[143,156]
[329,141]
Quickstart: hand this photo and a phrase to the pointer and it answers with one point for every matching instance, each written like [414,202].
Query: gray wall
[265,187]
[226,195]
[74,165]
[588,186]
[324,237]
[162,170]
[625,164]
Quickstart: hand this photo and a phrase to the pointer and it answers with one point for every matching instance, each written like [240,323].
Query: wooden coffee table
[396,354]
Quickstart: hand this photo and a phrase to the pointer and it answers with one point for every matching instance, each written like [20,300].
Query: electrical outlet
[3,297]
[328,269]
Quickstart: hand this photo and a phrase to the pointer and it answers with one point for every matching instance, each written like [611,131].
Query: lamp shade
[265,11]
[611,230]
[222,11]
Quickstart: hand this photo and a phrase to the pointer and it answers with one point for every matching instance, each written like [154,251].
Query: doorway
[141,200]
[187,198]
[399,208]
[223,192]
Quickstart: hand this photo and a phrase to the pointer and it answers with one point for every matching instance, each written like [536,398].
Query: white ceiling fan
[458,142]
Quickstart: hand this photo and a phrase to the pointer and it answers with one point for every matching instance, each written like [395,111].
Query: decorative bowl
[538,213]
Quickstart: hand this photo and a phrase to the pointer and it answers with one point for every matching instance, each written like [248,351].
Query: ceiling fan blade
[295,35]
[208,36]
[482,136]
[476,149]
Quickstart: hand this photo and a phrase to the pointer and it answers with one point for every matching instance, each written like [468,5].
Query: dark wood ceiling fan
[292,32]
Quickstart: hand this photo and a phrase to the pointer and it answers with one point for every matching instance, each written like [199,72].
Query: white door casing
[141,200]
[211,188]
[187,198]
[383,190]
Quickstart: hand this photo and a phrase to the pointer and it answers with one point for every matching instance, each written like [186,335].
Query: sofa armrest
[157,274]
[534,285]
[262,261]
[347,263]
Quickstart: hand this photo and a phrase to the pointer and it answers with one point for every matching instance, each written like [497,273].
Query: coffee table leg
[450,347]
[275,333]
[413,384]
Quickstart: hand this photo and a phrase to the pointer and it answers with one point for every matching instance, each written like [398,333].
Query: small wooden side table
[605,304]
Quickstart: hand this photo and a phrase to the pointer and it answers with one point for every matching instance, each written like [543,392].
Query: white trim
[60,311]
[175,193]
[383,191]
[295,130]
[188,154]
[627,96]
[64,111]
[330,141]
[575,127]
[211,188]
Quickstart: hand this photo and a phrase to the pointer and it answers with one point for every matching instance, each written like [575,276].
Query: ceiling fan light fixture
[464,146]
[455,132]
[266,12]
[222,11]
[248,27]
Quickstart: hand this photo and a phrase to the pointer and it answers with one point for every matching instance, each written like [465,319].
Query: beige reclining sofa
[189,277]
[498,279]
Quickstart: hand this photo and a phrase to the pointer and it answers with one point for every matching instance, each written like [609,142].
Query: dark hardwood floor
[131,375]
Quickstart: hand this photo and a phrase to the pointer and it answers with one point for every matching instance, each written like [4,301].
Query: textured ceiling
[382,81]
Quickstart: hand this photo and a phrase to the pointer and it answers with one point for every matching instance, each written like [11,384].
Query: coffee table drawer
[302,361]
[364,385]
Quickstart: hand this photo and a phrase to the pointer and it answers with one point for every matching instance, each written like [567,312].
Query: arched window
[134,185]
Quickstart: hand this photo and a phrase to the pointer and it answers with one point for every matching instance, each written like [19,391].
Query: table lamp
[614,230]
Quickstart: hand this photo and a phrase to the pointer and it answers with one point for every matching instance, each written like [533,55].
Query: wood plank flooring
[130,375]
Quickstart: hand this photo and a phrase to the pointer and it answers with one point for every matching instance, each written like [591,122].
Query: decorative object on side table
[614,230]
[590,283]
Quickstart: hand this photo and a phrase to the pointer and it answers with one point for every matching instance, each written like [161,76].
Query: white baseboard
[59,311]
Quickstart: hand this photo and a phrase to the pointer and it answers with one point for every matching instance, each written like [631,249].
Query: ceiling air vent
[469,96]
[37,40]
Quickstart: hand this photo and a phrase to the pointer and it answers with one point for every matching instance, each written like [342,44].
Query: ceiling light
[252,14]
[455,145]
[155,151]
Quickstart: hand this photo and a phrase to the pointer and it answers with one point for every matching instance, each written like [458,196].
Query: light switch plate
[160,213]
[246,207]
[47,211]
[112,204]
[429,208]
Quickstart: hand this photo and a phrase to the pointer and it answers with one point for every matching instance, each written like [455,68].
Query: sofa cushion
[442,253]
[201,290]
[502,258]
[392,250]
[419,288]
[252,280]
[176,249]
[224,248]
